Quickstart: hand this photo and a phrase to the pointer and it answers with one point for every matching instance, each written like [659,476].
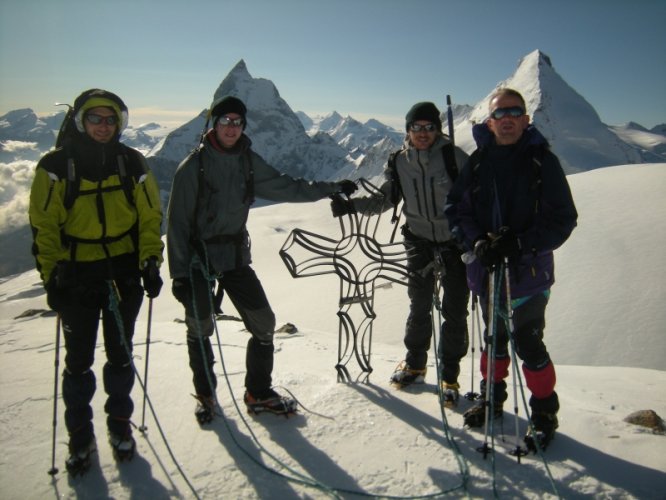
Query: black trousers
[453,339]
[80,319]
[247,295]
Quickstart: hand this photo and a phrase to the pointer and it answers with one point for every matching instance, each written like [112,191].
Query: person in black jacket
[512,205]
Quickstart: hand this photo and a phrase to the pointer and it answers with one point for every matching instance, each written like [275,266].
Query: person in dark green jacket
[95,216]
[211,195]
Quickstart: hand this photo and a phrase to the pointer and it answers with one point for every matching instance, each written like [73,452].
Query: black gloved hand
[485,253]
[60,282]
[340,206]
[181,289]
[347,187]
[152,282]
[506,244]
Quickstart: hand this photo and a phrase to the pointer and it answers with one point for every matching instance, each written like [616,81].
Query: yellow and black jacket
[97,206]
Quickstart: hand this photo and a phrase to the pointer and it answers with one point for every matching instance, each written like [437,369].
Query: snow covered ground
[605,330]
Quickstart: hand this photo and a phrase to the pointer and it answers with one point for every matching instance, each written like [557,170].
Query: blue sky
[366,58]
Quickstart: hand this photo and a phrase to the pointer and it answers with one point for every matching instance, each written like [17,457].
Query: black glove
[152,283]
[506,244]
[180,288]
[58,287]
[485,253]
[347,187]
[340,206]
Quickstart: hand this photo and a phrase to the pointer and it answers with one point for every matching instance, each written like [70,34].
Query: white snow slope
[605,330]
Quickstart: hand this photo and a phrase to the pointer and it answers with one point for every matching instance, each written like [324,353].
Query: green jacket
[106,227]
[210,218]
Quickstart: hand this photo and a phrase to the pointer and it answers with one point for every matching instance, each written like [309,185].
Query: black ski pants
[247,295]
[80,316]
[453,339]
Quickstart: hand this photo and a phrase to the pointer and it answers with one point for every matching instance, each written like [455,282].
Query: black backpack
[449,156]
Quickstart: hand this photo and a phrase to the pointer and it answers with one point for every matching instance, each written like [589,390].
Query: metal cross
[359,260]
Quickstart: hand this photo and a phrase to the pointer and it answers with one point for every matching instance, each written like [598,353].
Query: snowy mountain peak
[562,115]
[277,133]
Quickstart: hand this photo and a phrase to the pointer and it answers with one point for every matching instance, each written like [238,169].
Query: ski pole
[490,357]
[143,427]
[449,117]
[54,470]
[476,326]
[518,451]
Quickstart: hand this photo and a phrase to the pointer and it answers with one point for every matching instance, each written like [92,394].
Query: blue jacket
[520,186]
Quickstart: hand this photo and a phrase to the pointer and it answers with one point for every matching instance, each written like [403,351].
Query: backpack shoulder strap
[449,155]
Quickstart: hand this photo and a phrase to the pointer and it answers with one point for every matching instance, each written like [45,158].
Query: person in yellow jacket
[95,215]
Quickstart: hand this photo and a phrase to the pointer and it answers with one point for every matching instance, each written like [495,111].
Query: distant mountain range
[333,147]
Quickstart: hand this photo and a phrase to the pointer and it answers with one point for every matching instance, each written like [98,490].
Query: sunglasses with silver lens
[225,121]
[513,112]
[429,127]
[97,119]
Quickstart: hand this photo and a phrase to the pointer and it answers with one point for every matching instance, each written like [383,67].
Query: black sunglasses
[513,112]
[97,119]
[429,127]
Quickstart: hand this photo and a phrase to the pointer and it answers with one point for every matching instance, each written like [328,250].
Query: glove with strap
[152,282]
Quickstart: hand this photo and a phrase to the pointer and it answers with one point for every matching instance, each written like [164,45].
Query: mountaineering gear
[476,415]
[123,446]
[80,459]
[544,430]
[61,206]
[450,394]
[205,409]
[152,282]
[450,157]
[405,375]
[269,401]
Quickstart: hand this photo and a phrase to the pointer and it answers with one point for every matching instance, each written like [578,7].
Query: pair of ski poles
[493,294]
[54,470]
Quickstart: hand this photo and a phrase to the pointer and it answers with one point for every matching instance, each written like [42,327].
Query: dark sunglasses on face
[513,112]
[429,127]
[97,119]
[225,121]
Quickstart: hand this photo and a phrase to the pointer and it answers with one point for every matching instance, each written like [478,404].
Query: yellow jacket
[107,223]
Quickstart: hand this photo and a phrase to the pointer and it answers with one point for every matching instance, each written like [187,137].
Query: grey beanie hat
[426,111]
